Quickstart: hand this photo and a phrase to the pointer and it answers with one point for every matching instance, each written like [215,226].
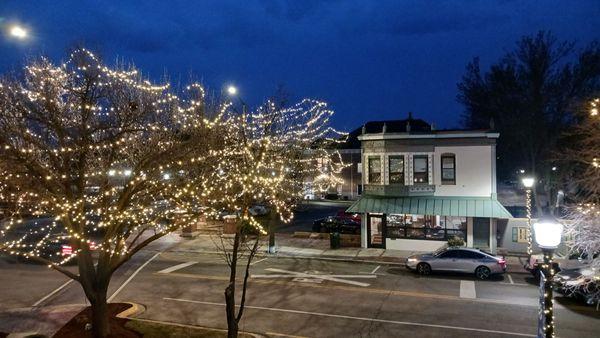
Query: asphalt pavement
[304,297]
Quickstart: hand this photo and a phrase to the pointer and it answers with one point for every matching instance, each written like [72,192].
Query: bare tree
[103,154]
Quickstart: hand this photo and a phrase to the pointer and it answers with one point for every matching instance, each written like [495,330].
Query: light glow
[548,234]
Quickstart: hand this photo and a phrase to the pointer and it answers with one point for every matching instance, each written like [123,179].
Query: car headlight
[411,260]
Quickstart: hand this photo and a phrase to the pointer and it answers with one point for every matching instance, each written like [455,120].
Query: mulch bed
[76,326]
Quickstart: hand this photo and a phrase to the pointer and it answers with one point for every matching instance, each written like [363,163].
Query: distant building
[421,186]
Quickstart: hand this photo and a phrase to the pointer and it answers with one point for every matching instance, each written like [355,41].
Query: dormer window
[448,169]
[396,169]
[374,170]
[420,169]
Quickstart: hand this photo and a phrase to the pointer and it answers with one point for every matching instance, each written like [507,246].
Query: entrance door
[375,226]
[481,232]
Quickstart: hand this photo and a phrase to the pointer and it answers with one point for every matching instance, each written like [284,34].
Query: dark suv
[336,224]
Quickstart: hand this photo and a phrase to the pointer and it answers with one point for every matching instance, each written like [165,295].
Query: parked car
[43,236]
[464,260]
[258,210]
[571,262]
[348,215]
[335,223]
[581,283]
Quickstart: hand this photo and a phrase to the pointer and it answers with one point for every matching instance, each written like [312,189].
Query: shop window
[396,169]
[427,227]
[420,170]
[374,169]
[448,169]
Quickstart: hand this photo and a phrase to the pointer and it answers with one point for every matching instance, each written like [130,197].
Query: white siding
[474,171]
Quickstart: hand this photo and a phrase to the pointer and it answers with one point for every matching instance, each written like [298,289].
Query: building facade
[422,187]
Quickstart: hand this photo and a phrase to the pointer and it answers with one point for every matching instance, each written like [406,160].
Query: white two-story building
[422,187]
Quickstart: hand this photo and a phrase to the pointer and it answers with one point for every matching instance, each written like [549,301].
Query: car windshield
[439,251]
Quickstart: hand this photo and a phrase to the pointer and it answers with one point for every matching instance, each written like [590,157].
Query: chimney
[364,129]
[432,126]
[408,126]
[384,129]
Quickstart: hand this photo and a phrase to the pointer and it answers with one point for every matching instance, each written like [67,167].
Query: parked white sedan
[464,260]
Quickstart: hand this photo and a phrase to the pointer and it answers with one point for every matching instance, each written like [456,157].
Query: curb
[252,334]
[134,310]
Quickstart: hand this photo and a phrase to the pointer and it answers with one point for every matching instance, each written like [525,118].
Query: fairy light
[143,158]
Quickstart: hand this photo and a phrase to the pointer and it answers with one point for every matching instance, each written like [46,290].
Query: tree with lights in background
[582,231]
[264,157]
[96,163]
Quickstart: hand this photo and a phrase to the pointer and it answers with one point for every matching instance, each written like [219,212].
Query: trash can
[334,239]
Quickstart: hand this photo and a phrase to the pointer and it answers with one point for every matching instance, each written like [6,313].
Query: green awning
[434,205]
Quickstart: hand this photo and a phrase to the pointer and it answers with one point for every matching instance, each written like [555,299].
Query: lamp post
[528,183]
[548,234]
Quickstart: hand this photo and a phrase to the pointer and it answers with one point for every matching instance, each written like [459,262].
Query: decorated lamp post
[548,235]
[528,183]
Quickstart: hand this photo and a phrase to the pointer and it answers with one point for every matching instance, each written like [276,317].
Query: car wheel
[424,269]
[482,272]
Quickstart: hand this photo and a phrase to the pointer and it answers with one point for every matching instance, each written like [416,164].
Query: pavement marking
[460,328]
[52,293]
[510,279]
[375,270]
[131,277]
[331,278]
[260,260]
[284,335]
[177,267]
[467,289]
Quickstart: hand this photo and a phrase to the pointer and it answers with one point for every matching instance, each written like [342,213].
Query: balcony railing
[399,190]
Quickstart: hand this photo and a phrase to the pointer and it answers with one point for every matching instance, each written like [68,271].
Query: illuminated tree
[263,157]
[100,152]
[582,231]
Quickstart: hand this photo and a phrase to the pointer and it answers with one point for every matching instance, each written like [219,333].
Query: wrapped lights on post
[528,183]
[548,234]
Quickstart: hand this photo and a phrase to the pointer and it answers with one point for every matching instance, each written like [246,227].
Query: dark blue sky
[368,59]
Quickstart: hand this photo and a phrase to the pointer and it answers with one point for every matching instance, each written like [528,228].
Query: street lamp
[232,90]
[18,32]
[528,183]
[548,234]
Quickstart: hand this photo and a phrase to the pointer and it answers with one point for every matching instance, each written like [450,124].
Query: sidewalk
[315,248]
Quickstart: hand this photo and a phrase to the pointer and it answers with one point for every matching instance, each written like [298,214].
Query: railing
[399,190]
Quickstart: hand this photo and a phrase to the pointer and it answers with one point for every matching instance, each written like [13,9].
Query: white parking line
[510,279]
[375,270]
[131,277]
[331,278]
[52,293]
[461,328]
[467,289]
[260,260]
[177,267]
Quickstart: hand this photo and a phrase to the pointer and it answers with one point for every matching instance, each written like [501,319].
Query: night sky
[369,60]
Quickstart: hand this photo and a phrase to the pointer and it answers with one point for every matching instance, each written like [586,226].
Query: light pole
[528,183]
[548,234]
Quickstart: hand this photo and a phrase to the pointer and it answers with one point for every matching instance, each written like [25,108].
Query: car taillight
[92,246]
[66,250]
[502,261]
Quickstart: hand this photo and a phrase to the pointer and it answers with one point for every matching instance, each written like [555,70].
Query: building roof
[433,205]
[409,126]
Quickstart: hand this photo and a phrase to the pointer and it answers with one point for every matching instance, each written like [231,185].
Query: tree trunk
[232,324]
[100,328]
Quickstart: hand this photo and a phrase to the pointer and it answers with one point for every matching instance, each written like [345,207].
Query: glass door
[375,231]
[481,232]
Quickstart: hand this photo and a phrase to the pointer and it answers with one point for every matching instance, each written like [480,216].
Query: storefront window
[427,227]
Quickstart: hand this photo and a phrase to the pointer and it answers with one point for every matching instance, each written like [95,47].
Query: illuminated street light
[548,234]
[18,32]
[232,90]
